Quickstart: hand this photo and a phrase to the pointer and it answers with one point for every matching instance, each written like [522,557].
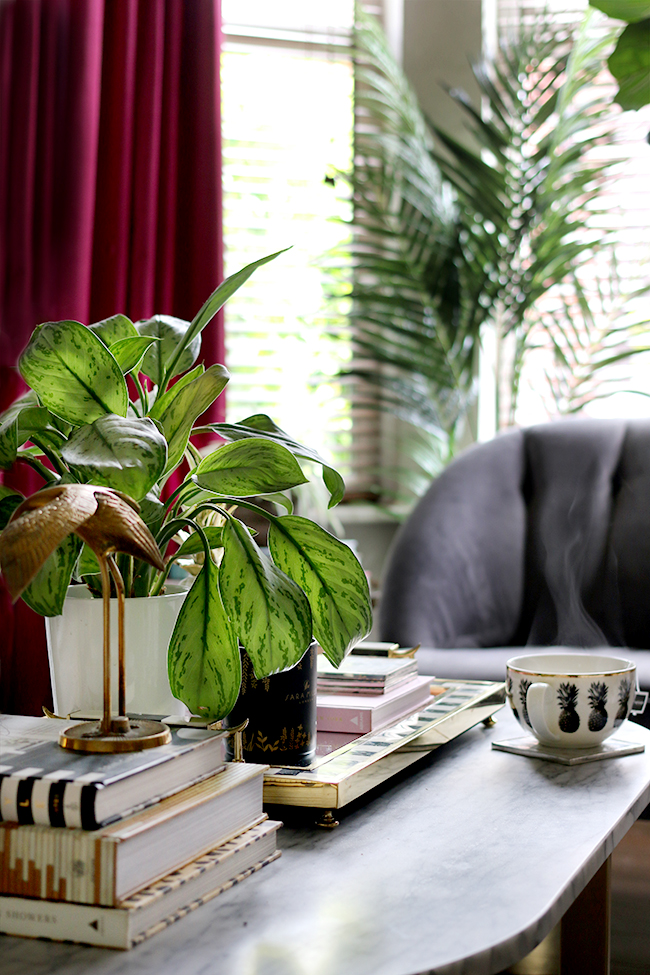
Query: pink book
[352,713]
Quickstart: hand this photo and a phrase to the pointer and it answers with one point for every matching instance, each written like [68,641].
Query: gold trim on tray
[349,771]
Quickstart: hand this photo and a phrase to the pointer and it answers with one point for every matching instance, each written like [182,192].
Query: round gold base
[132,736]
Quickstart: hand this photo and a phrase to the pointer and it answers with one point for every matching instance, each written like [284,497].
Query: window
[547,388]
[287,129]
[288,111]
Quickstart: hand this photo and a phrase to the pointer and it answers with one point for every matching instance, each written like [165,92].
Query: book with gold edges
[107,865]
[151,909]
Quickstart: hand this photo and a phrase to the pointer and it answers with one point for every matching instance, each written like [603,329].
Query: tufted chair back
[538,537]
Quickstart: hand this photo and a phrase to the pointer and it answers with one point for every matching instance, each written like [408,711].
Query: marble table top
[458,867]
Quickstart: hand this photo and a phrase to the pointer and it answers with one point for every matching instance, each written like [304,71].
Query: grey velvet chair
[540,537]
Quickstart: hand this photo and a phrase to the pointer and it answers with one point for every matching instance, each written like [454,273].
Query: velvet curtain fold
[110,199]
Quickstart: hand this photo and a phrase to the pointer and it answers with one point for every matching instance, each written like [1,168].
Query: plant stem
[142,393]
[38,466]
[56,463]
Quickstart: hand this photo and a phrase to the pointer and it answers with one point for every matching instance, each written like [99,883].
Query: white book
[151,909]
[105,866]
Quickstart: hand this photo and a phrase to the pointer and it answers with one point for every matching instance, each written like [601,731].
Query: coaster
[531,748]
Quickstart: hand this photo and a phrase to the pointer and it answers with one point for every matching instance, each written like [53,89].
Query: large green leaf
[249,467]
[261,425]
[170,333]
[191,401]
[124,453]
[269,612]
[628,10]
[630,65]
[73,372]
[332,579]
[204,665]
[47,591]
[206,313]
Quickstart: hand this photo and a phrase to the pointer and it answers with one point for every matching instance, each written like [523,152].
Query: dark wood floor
[630,913]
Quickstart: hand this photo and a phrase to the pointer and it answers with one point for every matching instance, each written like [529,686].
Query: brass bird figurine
[105,519]
[108,522]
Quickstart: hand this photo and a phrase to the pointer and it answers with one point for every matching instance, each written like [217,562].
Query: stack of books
[109,849]
[366,693]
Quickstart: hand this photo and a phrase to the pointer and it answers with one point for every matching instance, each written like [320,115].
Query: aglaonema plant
[78,422]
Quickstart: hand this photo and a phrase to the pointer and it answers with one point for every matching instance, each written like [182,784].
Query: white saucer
[531,748]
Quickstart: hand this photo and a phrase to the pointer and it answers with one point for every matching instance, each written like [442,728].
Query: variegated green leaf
[192,400]
[331,577]
[165,399]
[114,329]
[87,565]
[73,372]
[204,665]
[8,439]
[9,427]
[152,512]
[9,501]
[47,591]
[249,467]
[130,351]
[22,422]
[37,423]
[194,544]
[269,612]
[261,425]
[124,453]
[169,332]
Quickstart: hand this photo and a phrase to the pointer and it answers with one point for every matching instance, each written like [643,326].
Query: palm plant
[452,236]
[591,341]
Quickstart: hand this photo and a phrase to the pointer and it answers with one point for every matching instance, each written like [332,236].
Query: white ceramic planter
[74,646]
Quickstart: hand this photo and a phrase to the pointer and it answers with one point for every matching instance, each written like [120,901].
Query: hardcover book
[107,865]
[42,783]
[363,674]
[151,909]
[361,714]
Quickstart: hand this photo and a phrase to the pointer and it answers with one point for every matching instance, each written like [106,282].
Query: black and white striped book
[44,784]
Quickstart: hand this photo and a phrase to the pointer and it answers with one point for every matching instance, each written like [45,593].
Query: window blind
[287,130]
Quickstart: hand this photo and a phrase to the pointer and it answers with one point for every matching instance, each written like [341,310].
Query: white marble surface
[459,868]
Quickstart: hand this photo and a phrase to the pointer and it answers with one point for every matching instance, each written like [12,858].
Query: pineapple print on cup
[567,696]
[597,697]
[524,684]
[511,697]
[624,691]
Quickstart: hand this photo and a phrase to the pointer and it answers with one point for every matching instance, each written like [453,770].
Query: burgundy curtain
[110,199]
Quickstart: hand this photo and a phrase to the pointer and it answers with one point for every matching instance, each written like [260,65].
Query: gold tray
[347,766]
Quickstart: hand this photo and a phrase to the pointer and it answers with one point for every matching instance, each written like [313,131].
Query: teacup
[570,700]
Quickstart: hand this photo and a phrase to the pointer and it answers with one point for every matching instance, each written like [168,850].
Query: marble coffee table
[460,865]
